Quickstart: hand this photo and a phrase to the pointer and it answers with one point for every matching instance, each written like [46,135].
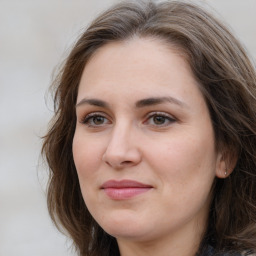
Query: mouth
[124,189]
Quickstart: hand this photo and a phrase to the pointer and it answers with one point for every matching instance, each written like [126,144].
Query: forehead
[137,66]
[137,51]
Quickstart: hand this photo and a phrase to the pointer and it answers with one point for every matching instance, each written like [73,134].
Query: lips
[124,189]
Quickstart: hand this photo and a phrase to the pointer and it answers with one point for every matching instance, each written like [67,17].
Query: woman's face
[144,143]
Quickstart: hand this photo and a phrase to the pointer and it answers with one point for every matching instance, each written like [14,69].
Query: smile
[124,189]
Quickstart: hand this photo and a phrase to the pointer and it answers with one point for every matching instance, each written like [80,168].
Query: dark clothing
[210,251]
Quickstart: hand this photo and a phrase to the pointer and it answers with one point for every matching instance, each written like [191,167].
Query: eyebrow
[93,102]
[159,100]
[139,104]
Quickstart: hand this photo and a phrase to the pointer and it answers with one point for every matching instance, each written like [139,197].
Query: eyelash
[89,119]
[163,115]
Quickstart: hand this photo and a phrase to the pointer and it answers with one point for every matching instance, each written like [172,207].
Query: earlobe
[221,169]
[225,165]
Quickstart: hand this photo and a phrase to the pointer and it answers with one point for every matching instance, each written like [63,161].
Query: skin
[168,145]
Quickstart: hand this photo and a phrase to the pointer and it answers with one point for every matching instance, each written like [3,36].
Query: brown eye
[159,120]
[98,120]
[95,120]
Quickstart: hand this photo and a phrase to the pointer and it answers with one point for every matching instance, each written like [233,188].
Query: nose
[123,149]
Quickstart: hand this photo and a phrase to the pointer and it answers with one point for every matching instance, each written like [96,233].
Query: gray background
[34,37]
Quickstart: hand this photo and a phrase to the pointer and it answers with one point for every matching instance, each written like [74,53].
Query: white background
[35,35]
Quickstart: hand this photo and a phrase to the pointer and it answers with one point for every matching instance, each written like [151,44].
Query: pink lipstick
[124,189]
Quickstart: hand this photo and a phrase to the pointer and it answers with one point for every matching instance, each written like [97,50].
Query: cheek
[87,158]
[185,158]
[188,171]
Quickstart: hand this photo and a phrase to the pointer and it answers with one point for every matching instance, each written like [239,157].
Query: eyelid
[160,113]
[86,117]
[168,116]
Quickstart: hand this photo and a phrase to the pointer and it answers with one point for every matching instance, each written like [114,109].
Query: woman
[152,147]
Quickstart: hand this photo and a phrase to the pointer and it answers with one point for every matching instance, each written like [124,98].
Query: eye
[159,119]
[95,120]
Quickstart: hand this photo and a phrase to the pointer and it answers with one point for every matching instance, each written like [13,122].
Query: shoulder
[248,253]
[211,251]
[245,253]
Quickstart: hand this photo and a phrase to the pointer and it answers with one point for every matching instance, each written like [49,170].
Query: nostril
[126,162]
[121,160]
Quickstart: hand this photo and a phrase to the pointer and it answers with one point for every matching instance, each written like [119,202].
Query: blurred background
[35,36]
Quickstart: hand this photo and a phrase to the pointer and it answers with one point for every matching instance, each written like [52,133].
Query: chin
[124,226]
[132,234]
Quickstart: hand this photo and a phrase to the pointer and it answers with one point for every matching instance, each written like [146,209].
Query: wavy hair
[227,81]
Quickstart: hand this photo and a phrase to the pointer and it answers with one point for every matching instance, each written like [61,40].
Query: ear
[226,162]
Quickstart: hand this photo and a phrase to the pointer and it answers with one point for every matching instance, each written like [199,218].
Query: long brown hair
[227,81]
